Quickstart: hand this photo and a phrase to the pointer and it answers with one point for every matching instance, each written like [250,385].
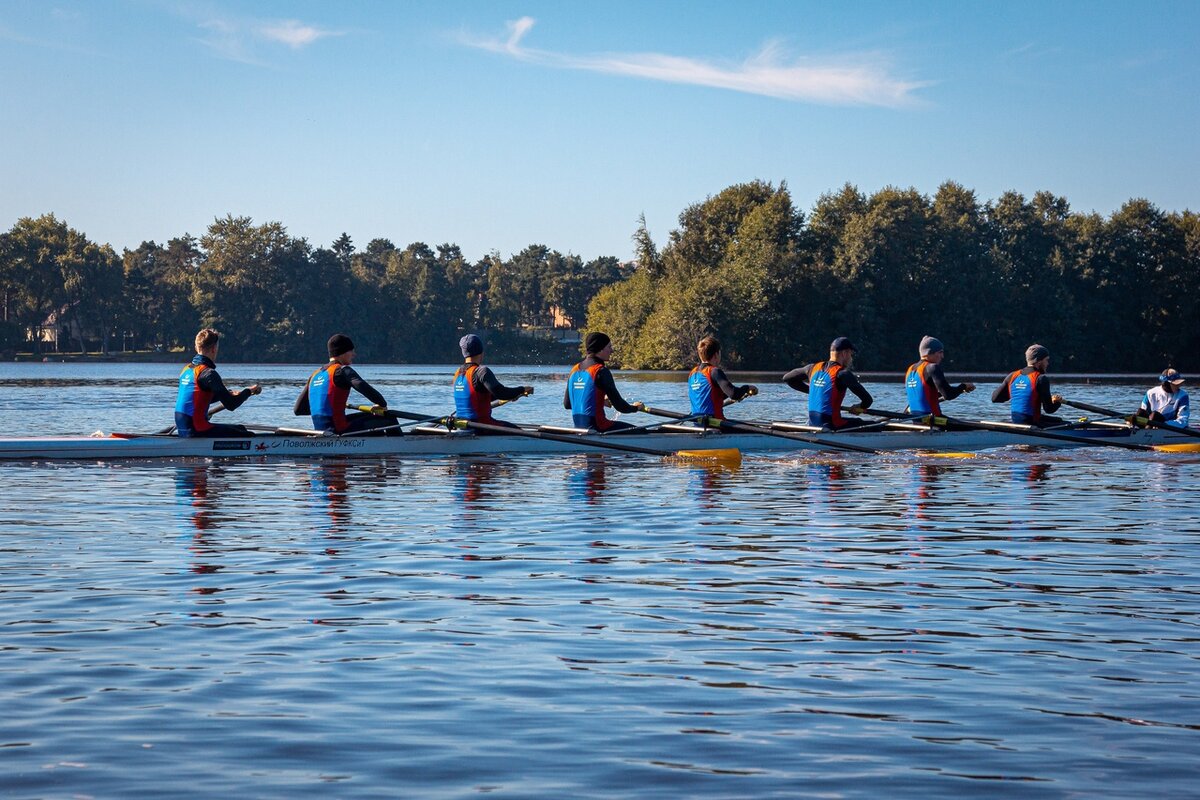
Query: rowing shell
[98,446]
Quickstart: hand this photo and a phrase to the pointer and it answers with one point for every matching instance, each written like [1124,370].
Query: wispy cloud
[293,33]
[249,40]
[849,80]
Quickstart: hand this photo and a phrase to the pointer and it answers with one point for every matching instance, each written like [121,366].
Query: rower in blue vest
[827,382]
[200,386]
[708,387]
[925,384]
[1028,391]
[475,387]
[591,383]
[325,394]
[1167,403]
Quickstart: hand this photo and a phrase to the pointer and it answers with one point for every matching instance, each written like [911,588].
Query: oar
[743,427]
[1041,433]
[1108,412]
[724,454]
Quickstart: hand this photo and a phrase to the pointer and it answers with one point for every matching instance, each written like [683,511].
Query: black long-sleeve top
[735,393]
[605,382]
[344,377]
[845,380]
[938,379]
[1041,385]
[485,379]
[210,381]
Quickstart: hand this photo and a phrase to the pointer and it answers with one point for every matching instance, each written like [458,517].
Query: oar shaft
[565,439]
[1037,433]
[743,427]
[1108,412]
[502,429]
[1153,423]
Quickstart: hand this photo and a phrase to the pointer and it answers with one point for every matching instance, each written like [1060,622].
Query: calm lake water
[1022,624]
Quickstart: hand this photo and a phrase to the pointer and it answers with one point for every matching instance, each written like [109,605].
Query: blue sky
[497,125]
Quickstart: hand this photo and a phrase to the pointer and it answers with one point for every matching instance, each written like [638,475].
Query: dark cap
[841,343]
[470,345]
[595,342]
[1035,353]
[930,345]
[1171,376]
[339,343]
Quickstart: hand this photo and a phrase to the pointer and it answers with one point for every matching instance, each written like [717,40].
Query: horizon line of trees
[776,286]
[1115,293]
[276,297]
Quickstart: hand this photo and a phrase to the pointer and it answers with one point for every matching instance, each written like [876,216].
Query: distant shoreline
[761,376]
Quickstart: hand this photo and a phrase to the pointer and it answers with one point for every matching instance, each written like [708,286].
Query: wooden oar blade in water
[1182,447]
[726,457]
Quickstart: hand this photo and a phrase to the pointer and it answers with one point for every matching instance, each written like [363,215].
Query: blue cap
[841,343]
[1171,376]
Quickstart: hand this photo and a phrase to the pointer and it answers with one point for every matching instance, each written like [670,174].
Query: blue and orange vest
[923,397]
[587,399]
[1024,404]
[192,402]
[327,400]
[706,396]
[824,395]
[470,402]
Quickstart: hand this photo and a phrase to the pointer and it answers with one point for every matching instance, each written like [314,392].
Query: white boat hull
[463,443]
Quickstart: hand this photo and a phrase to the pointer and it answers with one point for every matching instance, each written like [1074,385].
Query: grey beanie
[930,345]
[470,345]
[1035,353]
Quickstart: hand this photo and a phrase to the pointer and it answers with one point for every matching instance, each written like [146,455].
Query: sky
[496,125]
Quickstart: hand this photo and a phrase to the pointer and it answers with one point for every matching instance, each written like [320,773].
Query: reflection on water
[587,478]
[600,625]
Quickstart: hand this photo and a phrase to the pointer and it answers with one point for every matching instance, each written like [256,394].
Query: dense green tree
[33,275]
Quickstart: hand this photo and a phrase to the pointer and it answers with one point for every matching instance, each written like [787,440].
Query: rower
[200,386]
[826,383]
[1167,403]
[1028,391]
[475,387]
[325,393]
[708,388]
[926,384]
[591,383]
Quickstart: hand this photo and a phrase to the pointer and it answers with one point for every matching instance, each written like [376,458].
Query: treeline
[278,298]
[1105,294]
[1117,293]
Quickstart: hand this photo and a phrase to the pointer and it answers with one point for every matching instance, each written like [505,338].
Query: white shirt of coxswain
[1173,407]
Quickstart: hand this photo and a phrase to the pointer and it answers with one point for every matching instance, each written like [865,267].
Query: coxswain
[200,386]
[1167,403]
[826,383]
[1028,391]
[925,384]
[590,384]
[324,395]
[708,387]
[475,387]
